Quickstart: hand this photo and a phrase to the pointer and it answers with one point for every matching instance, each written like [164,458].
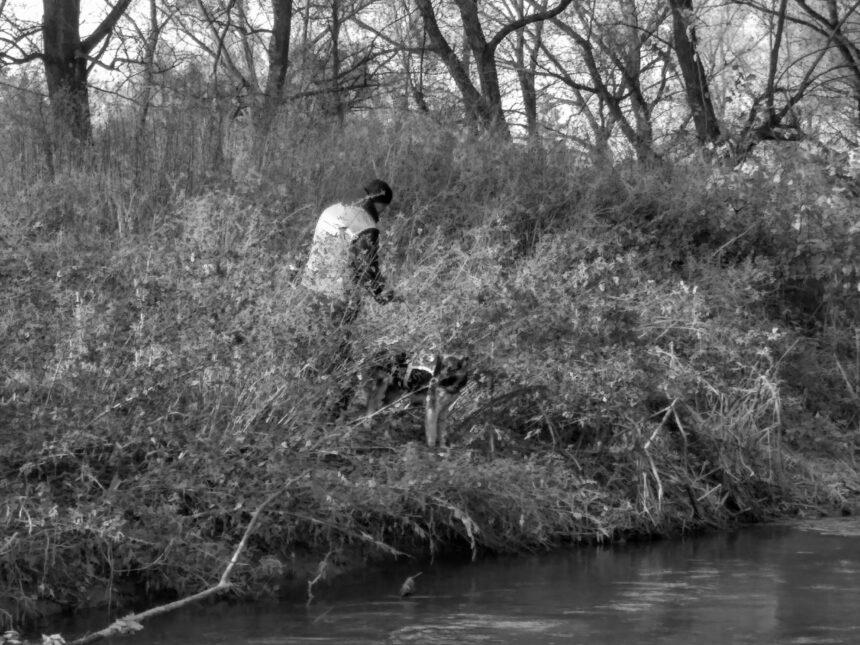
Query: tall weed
[643,358]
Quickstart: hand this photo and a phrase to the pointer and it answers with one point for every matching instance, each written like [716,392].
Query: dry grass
[633,341]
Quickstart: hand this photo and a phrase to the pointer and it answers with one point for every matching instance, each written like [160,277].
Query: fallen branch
[322,573]
[131,623]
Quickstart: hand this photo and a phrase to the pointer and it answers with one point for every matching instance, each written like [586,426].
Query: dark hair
[378,191]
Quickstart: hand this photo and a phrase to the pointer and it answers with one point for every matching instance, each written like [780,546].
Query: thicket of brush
[656,349]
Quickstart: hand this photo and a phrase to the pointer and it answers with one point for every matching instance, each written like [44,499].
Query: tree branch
[11,60]
[399,46]
[131,623]
[508,29]
[106,26]
[774,58]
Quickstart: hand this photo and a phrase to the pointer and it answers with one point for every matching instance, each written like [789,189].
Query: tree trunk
[66,67]
[279,55]
[693,72]
[834,24]
[148,76]
[339,107]
[526,62]
[485,61]
[773,66]
[484,107]
[630,66]
[65,58]
[466,53]
[253,81]
[640,135]
[414,89]
[526,80]
[471,97]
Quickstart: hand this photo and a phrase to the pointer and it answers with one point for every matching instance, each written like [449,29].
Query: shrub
[641,364]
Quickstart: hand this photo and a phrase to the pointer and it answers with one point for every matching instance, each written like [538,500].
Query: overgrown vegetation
[658,349]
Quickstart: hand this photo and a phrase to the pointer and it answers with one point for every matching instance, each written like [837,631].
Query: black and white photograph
[433,322]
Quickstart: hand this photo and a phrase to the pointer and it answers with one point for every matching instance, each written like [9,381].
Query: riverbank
[724,587]
[317,578]
[656,350]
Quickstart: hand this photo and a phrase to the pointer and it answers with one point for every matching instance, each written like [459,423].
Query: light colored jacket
[329,269]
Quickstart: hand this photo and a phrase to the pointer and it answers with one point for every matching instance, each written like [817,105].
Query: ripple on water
[471,628]
[627,607]
[645,595]
[839,526]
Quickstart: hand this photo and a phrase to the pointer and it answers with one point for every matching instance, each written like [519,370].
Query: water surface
[795,584]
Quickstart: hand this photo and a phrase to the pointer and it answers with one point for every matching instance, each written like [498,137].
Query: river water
[797,583]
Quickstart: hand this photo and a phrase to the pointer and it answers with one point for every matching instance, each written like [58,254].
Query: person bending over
[343,266]
[343,263]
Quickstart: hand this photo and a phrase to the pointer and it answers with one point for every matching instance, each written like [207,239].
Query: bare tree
[484,106]
[810,56]
[150,39]
[526,50]
[279,53]
[334,31]
[695,79]
[834,24]
[331,69]
[614,69]
[67,60]
[401,28]
[415,78]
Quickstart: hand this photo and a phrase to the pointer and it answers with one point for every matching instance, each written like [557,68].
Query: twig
[408,586]
[361,535]
[552,431]
[322,571]
[388,406]
[131,623]
[848,385]
[322,615]
[734,239]
[501,398]
[657,481]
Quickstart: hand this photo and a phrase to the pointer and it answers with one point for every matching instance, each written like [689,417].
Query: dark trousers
[336,356]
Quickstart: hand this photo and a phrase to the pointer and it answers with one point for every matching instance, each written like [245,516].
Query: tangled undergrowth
[656,350]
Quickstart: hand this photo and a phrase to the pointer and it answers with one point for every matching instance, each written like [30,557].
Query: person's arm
[364,252]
